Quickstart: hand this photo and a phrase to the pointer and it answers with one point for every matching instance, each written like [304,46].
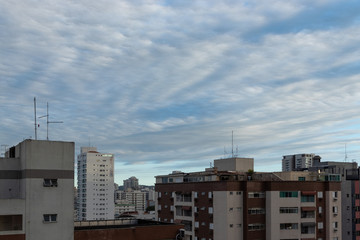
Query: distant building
[135,198]
[131,183]
[95,185]
[235,203]
[37,191]
[298,161]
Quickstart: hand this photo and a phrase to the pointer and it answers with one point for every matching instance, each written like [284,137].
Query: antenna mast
[47,121]
[232,143]
[345,159]
[35,118]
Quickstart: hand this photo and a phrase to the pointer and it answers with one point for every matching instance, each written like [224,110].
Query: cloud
[163,84]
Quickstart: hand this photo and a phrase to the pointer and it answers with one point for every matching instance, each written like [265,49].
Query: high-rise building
[131,183]
[231,202]
[37,191]
[298,161]
[95,185]
[133,197]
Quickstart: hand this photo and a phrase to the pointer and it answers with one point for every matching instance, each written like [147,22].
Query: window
[210,210]
[289,210]
[50,182]
[301,178]
[308,228]
[50,218]
[256,227]
[253,211]
[256,194]
[335,210]
[320,194]
[307,198]
[10,222]
[288,226]
[289,194]
[211,226]
[320,225]
[335,225]
[335,195]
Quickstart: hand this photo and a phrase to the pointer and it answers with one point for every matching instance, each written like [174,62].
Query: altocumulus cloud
[162,84]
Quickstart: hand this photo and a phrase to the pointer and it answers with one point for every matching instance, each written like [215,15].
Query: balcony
[308,228]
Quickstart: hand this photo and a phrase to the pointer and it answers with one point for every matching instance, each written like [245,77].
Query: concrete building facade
[237,204]
[36,191]
[298,161]
[95,185]
[131,183]
[135,198]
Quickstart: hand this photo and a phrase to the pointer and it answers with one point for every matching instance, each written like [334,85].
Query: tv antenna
[35,118]
[232,143]
[47,121]
[346,156]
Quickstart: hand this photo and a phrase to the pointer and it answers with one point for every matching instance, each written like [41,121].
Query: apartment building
[37,191]
[350,194]
[95,185]
[131,197]
[235,203]
[131,183]
[298,161]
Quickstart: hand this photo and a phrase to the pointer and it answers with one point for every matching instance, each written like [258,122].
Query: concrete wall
[48,159]
[228,209]
[274,218]
[234,164]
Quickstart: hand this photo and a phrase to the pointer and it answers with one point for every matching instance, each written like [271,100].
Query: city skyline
[162,85]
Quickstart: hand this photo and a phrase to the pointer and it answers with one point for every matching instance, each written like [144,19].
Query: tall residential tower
[95,185]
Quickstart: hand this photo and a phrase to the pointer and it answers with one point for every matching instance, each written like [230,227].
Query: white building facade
[95,185]
[297,161]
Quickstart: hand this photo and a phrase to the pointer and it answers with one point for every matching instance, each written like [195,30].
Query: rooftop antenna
[35,118]
[232,143]
[47,121]
[345,159]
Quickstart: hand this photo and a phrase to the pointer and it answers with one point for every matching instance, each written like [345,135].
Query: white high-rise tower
[95,185]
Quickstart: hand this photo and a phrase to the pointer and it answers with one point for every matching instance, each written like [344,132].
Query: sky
[169,85]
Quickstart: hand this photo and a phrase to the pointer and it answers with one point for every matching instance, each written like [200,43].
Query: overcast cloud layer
[162,84]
